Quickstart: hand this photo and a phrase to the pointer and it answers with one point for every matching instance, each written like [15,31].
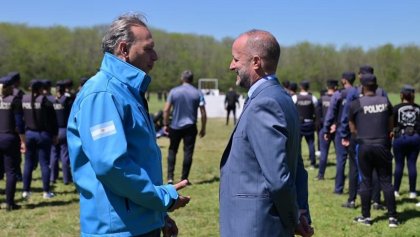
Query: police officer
[321,111]
[370,119]
[305,103]
[11,134]
[406,139]
[350,142]
[15,77]
[62,106]
[41,132]
[231,100]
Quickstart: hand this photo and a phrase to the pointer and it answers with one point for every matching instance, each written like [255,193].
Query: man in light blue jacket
[115,160]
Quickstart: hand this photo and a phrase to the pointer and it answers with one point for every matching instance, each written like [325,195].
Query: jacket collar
[126,73]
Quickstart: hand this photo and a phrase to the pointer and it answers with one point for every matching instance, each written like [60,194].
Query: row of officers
[34,124]
[361,123]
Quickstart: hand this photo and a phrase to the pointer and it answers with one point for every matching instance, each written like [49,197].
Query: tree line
[58,52]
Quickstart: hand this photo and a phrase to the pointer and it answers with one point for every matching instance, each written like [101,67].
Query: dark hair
[187,76]
[407,95]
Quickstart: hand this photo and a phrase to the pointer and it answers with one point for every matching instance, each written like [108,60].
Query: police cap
[14,75]
[46,83]
[68,83]
[6,81]
[332,83]
[36,84]
[366,69]
[407,89]
[349,76]
[368,79]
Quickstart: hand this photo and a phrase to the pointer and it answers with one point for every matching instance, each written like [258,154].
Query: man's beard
[244,80]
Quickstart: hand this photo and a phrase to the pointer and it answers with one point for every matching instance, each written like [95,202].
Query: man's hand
[182,201]
[326,136]
[169,229]
[304,229]
[345,142]
[333,128]
[202,133]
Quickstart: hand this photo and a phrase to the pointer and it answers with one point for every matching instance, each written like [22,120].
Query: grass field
[60,216]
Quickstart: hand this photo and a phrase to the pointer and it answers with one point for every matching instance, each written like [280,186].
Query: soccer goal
[209,86]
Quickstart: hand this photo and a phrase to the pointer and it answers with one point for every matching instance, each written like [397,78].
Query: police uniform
[10,124]
[371,115]
[305,103]
[62,106]
[322,109]
[352,150]
[41,127]
[406,143]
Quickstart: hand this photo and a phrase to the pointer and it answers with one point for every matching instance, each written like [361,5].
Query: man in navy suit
[263,185]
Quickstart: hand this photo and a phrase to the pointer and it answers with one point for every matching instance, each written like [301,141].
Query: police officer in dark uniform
[11,134]
[231,100]
[41,132]
[406,143]
[321,112]
[305,103]
[351,143]
[15,77]
[62,106]
[371,121]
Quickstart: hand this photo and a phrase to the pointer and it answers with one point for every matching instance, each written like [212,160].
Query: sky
[355,23]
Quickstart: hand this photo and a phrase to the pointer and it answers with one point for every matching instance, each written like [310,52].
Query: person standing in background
[41,133]
[370,120]
[305,103]
[12,139]
[183,103]
[321,111]
[231,99]
[406,143]
[59,152]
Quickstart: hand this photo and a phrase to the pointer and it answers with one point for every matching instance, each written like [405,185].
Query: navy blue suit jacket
[263,182]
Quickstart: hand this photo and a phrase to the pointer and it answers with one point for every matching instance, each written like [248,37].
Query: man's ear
[256,62]
[122,50]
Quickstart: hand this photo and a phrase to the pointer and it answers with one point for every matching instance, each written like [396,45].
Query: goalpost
[209,86]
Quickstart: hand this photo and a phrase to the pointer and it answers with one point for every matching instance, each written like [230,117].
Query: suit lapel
[246,105]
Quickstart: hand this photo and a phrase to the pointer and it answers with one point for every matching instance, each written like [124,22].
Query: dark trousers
[406,147]
[353,171]
[188,135]
[38,147]
[379,158]
[9,157]
[153,233]
[324,148]
[233,110]
[59,152]
[308,131]
[341,159]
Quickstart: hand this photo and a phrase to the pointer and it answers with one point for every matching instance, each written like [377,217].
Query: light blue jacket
[115,161]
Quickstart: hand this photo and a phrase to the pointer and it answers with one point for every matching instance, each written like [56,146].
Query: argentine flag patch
[103,130]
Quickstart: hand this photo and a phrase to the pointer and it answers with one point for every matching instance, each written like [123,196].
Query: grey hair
[120,30]
[265,45]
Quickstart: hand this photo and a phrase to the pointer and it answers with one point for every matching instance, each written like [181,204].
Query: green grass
[60,216]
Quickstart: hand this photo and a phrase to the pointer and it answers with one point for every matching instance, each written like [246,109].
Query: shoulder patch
[103,130]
